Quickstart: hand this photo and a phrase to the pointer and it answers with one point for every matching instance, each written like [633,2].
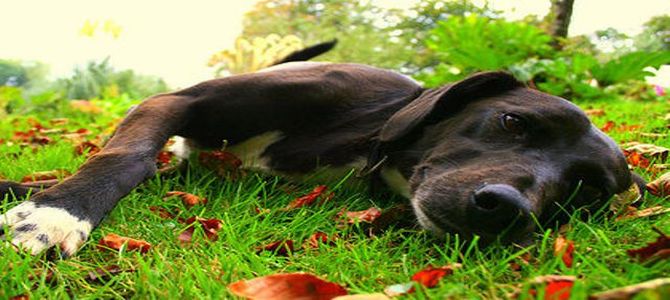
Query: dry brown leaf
[624,199]
[660,287]
[281,248]
[650,150]
[115,242]
[595,112]
[654,251]
[660,187]
[188,199]
[634,213]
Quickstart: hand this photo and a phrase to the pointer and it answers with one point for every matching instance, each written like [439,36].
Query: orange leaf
[86,147]
[210,226]
[366,216]
[319,238]
[286,287]
[309,198]
[608,126]
[115,242]
[564,248]
[430,276]
[556,287]
[189,200]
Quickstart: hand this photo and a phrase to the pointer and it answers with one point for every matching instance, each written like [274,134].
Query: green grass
[362,263]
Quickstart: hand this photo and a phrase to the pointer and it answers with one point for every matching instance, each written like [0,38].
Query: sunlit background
[175,39]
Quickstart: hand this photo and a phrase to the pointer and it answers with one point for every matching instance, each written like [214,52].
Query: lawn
[253,214]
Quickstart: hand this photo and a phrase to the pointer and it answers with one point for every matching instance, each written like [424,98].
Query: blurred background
[126,50]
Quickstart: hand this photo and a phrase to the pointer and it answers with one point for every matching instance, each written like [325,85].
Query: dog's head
[493,158]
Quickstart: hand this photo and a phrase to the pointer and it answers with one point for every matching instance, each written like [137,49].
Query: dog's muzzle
[497,209]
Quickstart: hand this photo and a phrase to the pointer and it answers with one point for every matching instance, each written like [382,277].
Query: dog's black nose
[498,208]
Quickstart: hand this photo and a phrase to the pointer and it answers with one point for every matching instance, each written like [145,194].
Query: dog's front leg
[65,214]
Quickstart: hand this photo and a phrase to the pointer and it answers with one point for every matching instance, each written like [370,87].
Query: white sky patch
[174,39]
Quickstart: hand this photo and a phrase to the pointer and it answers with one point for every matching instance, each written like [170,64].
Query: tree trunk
[559,19]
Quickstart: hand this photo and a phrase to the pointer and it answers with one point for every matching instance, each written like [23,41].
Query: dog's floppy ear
[434,105]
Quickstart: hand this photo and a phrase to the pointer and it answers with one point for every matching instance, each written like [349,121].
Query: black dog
[484,156]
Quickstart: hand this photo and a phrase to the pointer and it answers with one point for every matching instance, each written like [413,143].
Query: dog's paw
[36,228]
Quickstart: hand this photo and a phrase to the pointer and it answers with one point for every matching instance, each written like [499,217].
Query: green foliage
[631,66]
[100,80]
[656,35]
[474,43]
[12,73]
[479,43]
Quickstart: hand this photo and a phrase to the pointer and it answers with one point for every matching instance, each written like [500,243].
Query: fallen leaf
[162,212]
[58,121]
[188,199]
[102,274]
[660,187]
[366,216]
[375,296]
[281,248]
[115,242]
[523,260]
[608,126]
[209,226]
[309,198]
[621,201]
[45,175]
[595,112]
[287,287]
[636,159]
[633,213]
[431,276]
[398,216]
[660,287]
[650,150]
[565,249]
[222,162]
[319,238]
[556,287]
[654,251]
[87,147]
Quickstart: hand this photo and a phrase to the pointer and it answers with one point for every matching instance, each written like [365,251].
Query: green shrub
[474,43]
[631,66]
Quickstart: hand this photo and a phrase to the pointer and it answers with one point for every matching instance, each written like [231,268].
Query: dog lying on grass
[483,156]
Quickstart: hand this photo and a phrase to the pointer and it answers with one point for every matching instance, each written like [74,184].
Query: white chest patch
[396,181]
[251,150]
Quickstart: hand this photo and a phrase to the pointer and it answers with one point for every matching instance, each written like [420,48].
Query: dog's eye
[513,123]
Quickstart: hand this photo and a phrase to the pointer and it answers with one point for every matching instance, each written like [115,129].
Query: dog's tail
[308,53]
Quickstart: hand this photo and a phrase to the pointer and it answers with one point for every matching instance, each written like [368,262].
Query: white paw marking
[39,228]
